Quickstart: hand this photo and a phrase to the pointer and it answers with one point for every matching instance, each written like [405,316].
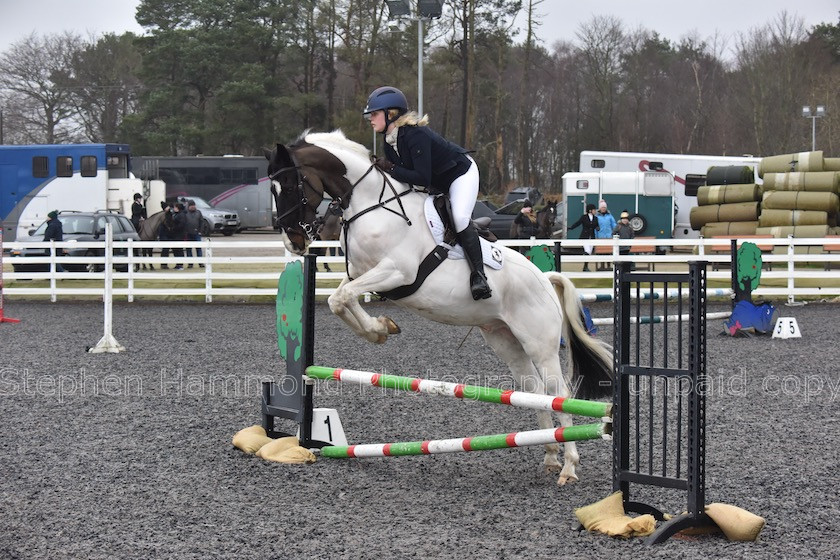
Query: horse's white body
[522,322]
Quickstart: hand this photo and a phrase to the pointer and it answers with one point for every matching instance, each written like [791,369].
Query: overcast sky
[673,20]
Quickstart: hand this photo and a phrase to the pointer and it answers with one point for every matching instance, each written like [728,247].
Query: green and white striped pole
[477,443]
[521,399]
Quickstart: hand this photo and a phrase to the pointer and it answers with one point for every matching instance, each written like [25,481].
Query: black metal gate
[659,400]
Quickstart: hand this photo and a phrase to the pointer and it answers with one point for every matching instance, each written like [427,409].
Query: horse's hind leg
[529,379]
[547,379]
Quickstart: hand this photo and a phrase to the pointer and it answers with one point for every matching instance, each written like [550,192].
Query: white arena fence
[793,267]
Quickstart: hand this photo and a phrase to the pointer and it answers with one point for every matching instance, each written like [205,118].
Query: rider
[419,156]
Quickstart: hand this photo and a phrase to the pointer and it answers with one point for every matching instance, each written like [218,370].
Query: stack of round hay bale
[728,204]
[800,195]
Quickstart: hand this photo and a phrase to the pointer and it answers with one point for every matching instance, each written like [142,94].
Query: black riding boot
[472,251]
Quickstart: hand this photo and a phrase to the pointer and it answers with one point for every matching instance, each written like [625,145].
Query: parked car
[501,219]
[79,226]
[519,193]
[216,220]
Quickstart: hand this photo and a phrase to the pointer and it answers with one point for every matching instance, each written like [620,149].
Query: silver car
[216,220]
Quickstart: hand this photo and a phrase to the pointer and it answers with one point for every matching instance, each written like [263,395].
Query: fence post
[108,343]
[791,300]
[208,271]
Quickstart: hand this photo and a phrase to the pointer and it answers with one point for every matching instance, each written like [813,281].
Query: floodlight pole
[419,64]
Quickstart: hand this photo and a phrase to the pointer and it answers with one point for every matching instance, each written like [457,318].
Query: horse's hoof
[393,328]
[566,476]
[551,468]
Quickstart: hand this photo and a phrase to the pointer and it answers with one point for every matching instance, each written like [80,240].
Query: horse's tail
[589,360]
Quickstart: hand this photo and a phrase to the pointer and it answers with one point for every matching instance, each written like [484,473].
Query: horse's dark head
[545,220]
[300,174]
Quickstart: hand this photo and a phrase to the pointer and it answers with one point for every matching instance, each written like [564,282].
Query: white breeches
[462,195]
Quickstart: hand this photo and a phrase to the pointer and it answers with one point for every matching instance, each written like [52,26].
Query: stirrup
[479,287]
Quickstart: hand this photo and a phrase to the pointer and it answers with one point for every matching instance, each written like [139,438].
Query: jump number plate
[786,327]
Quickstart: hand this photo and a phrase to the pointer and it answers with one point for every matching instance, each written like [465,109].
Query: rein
[381,204]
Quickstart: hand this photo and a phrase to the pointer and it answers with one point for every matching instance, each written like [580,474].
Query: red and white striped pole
[3,319]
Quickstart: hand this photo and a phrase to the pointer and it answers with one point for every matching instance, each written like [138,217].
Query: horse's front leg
[344,302]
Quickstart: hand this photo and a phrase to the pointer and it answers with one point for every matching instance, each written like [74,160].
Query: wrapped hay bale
[802,161]
[771,218]
[831,164]
[796,231]
[797,200]
[738,212]
[812,181]
[728,228]
[728,194]
[730,175]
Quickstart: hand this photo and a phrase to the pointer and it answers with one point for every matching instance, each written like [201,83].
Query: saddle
[444,210]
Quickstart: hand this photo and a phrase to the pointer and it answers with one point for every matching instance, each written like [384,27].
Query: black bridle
[343,201]
[302,204]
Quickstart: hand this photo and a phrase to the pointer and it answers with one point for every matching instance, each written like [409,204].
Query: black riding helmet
[384,98]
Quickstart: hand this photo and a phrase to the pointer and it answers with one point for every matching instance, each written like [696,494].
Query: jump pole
[656,294]
[520,399]
[648,319]
[477,443]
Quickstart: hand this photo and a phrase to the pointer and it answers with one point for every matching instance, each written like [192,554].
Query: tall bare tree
[33,75]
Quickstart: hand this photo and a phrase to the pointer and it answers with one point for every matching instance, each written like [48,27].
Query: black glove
[384,165]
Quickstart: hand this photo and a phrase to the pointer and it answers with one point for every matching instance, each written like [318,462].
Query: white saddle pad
[491,254]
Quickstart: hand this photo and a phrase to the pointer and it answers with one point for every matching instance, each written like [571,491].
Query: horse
[149,232]
[385,238]
[546,217]
[545,222]
[328,228]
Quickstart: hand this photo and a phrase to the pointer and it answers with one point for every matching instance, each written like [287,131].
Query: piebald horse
[386,237]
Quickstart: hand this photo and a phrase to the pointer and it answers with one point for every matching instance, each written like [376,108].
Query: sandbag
[796,231]
[798,200]
[736,523]
[831,164]
[251,439]
[812,181]
[738,212]
[802,161]
[607,516]
[730,175]
[728,194]
[728,228]
[771,218]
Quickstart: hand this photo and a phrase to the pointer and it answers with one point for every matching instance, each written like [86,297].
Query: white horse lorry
[636,182]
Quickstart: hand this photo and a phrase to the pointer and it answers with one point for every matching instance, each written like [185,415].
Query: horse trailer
[647,196]
[689,172]
[36,179]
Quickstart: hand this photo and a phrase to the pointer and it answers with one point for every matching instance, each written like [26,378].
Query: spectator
[526,222]
[606,222]
[138,216]
[624,231]
[179,228]
[54,232]
[192,226]
[165,230]
[138,212]
[589,225]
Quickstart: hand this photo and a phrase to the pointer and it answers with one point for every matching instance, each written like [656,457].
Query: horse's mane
[335,140]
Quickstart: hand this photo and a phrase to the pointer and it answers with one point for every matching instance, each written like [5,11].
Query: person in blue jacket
[417,155]
[606,221]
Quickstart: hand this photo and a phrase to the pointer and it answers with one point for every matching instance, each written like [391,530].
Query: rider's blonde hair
[411,118]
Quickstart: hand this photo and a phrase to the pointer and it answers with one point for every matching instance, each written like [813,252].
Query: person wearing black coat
[417,155]
[54,232]
[589,225]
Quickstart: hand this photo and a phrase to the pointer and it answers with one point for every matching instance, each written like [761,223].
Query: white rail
[238,269]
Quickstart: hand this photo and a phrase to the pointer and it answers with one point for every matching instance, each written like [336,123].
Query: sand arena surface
[129,455]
